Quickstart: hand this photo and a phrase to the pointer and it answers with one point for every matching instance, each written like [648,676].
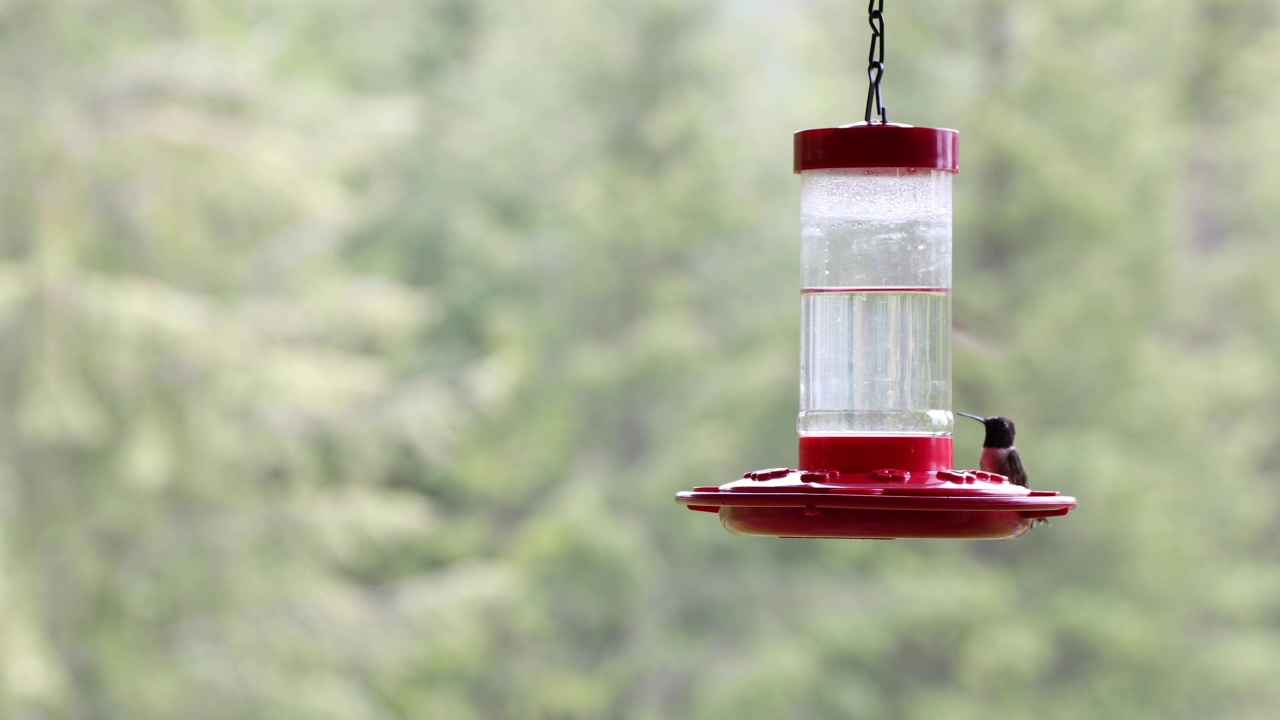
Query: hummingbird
[998,453]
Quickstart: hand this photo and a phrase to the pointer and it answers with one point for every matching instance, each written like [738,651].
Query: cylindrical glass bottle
[875,357]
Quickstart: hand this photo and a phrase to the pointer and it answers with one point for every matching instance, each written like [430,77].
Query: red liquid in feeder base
[868,453]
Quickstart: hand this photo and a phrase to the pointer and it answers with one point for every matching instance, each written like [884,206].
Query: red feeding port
[875,358]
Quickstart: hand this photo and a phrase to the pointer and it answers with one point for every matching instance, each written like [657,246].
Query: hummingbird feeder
[875,425]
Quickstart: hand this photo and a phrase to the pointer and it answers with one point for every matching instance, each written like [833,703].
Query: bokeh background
[351,353]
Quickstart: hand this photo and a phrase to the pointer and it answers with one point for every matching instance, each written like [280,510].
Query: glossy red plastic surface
[908,498]
[875,524]
[863,453]
[877,145]
[883,505]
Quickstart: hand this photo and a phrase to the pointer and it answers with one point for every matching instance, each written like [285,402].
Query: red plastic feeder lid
[877,145]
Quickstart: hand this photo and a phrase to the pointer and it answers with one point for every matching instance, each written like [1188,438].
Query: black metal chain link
[875,61]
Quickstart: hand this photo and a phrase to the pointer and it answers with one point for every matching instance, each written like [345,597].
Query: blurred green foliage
[351,352]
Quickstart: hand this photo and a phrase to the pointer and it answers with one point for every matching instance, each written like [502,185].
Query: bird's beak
[975,417]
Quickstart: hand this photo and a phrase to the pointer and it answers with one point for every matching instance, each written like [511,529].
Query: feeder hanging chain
[875,61]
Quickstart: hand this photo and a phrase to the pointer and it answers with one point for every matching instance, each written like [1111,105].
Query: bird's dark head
[1000,432]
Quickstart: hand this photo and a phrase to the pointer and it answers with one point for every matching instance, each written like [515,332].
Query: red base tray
[838,523]
[964,504]
[914,497]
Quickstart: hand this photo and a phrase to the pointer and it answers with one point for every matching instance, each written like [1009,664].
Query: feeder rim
[877,145]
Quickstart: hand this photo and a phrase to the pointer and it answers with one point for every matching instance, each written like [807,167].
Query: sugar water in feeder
[876,306]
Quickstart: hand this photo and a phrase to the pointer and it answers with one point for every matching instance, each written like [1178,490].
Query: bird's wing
[1017,473]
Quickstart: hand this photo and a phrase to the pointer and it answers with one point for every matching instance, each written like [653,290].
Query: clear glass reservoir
[875,348]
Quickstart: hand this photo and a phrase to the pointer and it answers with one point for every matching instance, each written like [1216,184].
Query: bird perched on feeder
[998,453]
